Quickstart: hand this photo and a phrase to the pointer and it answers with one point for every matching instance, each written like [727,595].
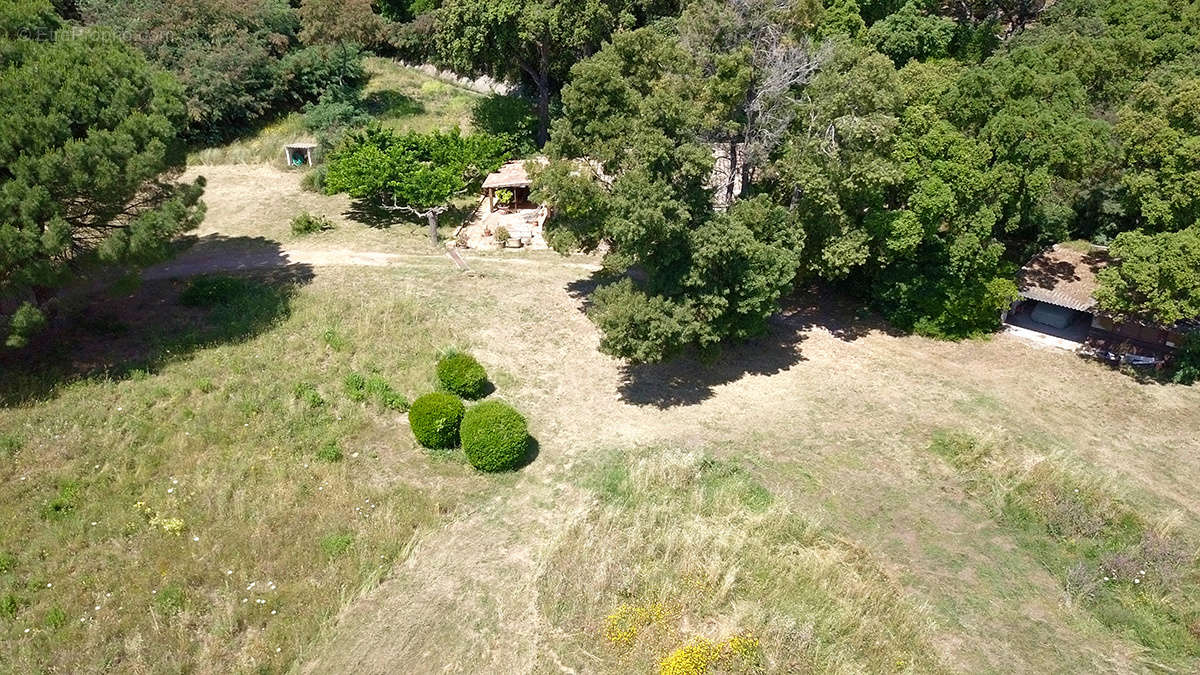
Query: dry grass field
[829,498]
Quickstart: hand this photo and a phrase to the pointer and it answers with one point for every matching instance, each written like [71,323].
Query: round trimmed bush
[435,418]
[494,436]
[461,374]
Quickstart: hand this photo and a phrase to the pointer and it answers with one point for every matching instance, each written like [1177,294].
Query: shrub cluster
[435,419]
[461,374]
[495,437]
[307,223]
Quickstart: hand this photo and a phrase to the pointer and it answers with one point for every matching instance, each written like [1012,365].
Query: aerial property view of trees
[288,384]
[915,162]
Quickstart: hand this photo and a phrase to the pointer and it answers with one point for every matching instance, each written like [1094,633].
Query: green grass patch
[330,452]
[374,387]
[1139,580]
[336,543]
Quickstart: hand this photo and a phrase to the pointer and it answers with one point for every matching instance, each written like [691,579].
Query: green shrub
[330,452]
[1187,362]
[336,543]
[502,235]
[461,374]
[307,223]
[494,436]
[356,387]
[435,419]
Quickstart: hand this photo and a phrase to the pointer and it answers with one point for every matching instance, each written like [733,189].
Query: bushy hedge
[461,374]
[435,419]
[494,436]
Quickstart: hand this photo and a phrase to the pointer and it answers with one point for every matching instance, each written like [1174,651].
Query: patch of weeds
[622,626]
[8,562]
[169,600]
[356,387]
[205,385]
[10,605]
[379,389]
[689,540]
[613,483]
[334,339]
[55,618]
[963,451]
[63,503]
[1135,579]
[309,395]
[307,223]
[330,452]
[9,445]
[376,388]
[336,543]
[720,481]
[701,655]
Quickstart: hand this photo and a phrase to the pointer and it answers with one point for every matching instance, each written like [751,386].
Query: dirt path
[212,257]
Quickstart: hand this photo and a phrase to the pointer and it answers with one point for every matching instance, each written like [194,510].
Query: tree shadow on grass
[842,316]
[688,380]
[120,333]
[392,105]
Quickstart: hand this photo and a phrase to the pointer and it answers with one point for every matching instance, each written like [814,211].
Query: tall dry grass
[683,552]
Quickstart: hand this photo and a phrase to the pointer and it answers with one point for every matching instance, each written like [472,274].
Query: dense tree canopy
[238,60]
[917,153]
[88,146]
[1157,277]
[641,110]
